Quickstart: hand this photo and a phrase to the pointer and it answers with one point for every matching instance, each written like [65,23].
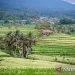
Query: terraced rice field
[41,62]
[41,65]
[23,29]
[56,44]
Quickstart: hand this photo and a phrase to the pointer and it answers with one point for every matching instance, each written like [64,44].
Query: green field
[31,72]
[42,62]
[23,29]
[56,44]
[39,65]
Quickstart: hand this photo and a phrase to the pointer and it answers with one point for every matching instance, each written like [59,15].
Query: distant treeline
[16,16]
[61,28]
[35,13]
[67,21]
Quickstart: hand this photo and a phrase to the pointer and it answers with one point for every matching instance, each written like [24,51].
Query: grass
[27,72]
[11,62]
[31,72]
[60,59]
[41,65]
[24,29]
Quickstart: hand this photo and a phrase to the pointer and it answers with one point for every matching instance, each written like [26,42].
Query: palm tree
[16,41]
[9,42]
[27,43]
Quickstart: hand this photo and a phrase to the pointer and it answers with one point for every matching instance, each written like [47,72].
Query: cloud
[70,1]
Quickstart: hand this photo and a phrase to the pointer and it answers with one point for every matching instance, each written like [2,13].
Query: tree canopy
[15,43]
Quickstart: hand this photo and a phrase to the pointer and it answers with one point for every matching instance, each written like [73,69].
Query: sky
[70,1]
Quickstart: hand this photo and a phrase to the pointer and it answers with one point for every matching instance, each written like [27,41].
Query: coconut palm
[14,42]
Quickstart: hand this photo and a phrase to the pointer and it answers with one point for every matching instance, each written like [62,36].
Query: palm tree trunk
[24,51]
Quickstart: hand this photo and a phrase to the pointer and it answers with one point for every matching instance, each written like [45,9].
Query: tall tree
[16,41]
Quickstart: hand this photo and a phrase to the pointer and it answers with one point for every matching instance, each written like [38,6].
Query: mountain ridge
[50,4]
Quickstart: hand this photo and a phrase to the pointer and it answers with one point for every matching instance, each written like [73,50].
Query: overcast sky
[70,1]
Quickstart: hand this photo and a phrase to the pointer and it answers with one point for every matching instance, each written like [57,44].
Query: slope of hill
[52,4]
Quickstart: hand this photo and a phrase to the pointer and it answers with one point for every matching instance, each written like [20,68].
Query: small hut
[47,32]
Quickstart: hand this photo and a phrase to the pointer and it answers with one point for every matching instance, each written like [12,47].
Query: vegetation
[56,49]
[4,15]
[31,72]
[56,44]
[27,71]
[38,66]
[60,28]
[45,25]
[66,21]
[36,41]
[33,13]
[14,42]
